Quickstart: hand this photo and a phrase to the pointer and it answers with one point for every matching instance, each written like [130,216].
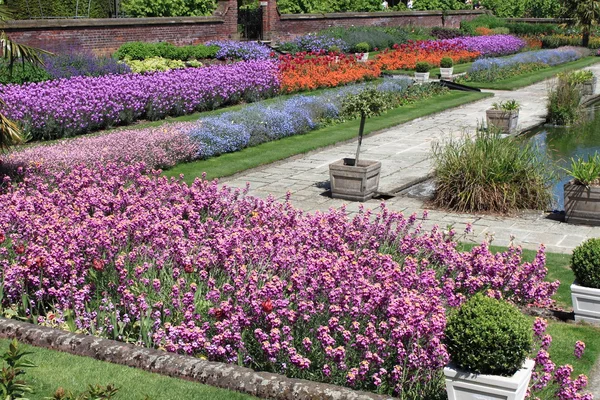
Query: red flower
[19,249]
[189,268]
[98,264]
[2,237]
[267,306]
[219,314]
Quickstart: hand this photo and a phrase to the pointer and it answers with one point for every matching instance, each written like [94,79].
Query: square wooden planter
[586,303]
[582,204]
[355,183]
[464,385]
[588,88]
[506,121]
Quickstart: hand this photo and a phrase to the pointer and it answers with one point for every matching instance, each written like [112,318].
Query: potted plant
[585,291]
[585,81]
[488,341]
[362,51]
[422,69]
[582,193]
[352,178]
[504,116]
[446,68]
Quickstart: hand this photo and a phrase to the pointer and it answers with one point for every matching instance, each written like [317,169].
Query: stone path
[404,152]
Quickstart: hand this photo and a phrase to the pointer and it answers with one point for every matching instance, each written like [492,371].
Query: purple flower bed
[314,42]
[72,64]
[206,271]
[548,57]
[229,49]
[161,147]
[494,45]
[69,107]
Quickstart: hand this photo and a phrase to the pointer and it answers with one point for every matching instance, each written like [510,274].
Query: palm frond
[13,52]
[5,13]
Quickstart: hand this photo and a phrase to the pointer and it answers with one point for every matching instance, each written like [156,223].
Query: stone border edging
[260,384]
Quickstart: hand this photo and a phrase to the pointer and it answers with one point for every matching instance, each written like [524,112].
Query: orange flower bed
[533,43]
[483,31]
[309,71]
[407,55]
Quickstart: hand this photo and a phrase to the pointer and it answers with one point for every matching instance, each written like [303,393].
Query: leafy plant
[580,77]
[154,64]
[446,62]
[143,51]
[585,172]
[367,103]
[508,105]
[11,386]
[490,173]
[564,102]
[584,14]
[362,47]
[422,66]
[585,263]
[167,8]
[488,336]
[94,392]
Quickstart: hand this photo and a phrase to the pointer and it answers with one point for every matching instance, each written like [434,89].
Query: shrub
[564,100]
[500,31]
[488,336]
[446,33]
[154,64]
[22,73]
[167,8]
[142,51]
[446,62]
[585,263]
[486,21]
[422,66]
[523,29]
[362,47]
[315,42]
[554,41]
[377,37]
[71,64]
[490,173]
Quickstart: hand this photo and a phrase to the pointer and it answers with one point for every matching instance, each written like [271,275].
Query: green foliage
[486,21]
[22,73]
[422,66]
[446,62]
[564,101]
[367,103]
[94,392]
[555,41]
[585,263]
[522,28]
[376,37]
[24,9]
[508,105]
[505,8]
[501,31]
[579,77]
[490,173]
[315,6]
[167,8]
[143,51]
[438,5]
[584,14]
[488,336]
[154,64]
[362,47]
[585,172]
[542,8]
[11,386]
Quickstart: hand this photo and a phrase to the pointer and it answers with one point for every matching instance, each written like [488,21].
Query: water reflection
[559,145]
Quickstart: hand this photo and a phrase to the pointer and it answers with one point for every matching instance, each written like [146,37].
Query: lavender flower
[230,49]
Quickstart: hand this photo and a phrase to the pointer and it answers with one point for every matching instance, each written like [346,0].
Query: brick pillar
[227,9]
[266,22]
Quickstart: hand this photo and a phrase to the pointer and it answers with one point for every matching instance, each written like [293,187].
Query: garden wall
[104,36]
[287,26]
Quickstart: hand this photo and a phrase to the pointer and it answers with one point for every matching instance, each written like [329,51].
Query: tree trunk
[585,40]
[361,130]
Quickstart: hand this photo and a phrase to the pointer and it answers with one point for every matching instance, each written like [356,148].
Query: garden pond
[560,144]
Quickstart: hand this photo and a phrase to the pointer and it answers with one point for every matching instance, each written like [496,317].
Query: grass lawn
[56,369]
[520,81]
[232,163]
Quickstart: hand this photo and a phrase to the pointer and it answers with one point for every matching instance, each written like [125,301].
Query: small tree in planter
[446,67]
[585,291]
[422,69]
[582,193]
[488,341]
[504,116]
[362,51]
[352,178]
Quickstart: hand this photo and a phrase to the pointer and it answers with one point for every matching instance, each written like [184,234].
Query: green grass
[232,163]
[56,369]
[520,81]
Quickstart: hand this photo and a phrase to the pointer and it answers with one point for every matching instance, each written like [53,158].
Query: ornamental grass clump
[585,172]
[490,173]
[585,263]
[564,101]
[488,336]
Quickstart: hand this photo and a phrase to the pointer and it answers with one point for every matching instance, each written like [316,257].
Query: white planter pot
[586,303]
[464,385]
[362,57]
[446,72]
[422,76]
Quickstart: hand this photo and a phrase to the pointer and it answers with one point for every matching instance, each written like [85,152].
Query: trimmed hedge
[585,263]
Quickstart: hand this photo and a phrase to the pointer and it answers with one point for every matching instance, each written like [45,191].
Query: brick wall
[103,36]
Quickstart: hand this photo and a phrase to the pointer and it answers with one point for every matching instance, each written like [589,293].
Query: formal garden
[113,225]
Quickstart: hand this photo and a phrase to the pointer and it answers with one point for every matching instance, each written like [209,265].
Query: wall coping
[380,14]
[226,376]
[540,20]
[106,22]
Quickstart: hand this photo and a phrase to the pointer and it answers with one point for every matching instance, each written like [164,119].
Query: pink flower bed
[203,270]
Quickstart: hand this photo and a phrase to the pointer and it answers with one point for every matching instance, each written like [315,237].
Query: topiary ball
[488,336]
[585,263]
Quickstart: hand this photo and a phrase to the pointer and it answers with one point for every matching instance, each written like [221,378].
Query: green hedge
[143,51]
[24,9]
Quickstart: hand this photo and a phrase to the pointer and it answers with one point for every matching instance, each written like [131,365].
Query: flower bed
[203,270]
[65,108]
[493,69]
[231,49]
[407,55]
[308,71]
[487,46]
[554,41]
[162,147]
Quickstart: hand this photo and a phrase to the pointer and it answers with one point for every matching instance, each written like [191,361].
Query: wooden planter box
[586,303]
[588,88]
[464,385]
[506,121]
[582,204]
[446,73]
[354,183]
